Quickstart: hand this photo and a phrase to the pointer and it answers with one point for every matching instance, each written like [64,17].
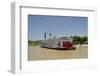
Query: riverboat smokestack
[50,35]
[45,35]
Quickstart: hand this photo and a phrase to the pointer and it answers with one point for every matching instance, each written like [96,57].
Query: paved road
[38,53]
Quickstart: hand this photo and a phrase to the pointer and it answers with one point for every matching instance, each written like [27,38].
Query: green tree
[79,40]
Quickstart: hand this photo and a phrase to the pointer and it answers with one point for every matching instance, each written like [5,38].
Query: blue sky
[57,25]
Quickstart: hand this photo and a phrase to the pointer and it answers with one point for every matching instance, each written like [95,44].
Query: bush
[34,43]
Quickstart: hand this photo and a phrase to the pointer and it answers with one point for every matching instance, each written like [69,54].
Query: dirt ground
[38,53]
